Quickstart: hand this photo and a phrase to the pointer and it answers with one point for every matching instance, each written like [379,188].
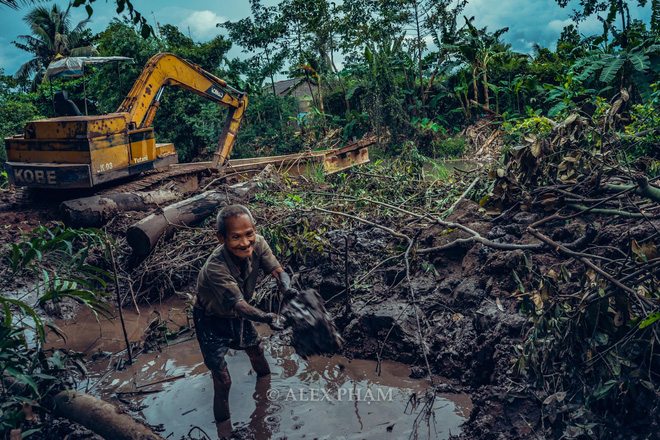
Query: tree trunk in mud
[102,417]
[144,235]
[93,211]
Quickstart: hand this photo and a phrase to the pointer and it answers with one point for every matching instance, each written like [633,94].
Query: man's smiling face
[240,237]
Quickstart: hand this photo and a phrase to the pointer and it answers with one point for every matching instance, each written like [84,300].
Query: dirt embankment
[468,322]
[472,305]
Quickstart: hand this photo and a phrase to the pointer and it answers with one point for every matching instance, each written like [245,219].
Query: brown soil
[15,221]
[470,323]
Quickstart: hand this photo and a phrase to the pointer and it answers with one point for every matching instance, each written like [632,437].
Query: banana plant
[632,68]
[565,95]
[478,48]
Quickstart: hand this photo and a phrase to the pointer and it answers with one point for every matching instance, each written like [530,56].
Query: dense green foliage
[423,84]
[57,264]
[15,110]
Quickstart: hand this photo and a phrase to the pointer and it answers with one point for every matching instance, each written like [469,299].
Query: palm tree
[16,4]
[52,36]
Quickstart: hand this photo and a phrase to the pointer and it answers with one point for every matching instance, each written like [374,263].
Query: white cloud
[529,21]
[591,26]
[534,21]
[559,25]
[201,24]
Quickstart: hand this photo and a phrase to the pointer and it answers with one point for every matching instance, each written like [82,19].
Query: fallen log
[102,417]
[145,234]
[94,210]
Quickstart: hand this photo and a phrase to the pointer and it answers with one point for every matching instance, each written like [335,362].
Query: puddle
[318,398]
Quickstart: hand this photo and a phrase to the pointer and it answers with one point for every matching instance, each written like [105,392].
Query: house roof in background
[286,86]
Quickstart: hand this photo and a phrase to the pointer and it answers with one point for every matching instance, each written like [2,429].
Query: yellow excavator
[77,151]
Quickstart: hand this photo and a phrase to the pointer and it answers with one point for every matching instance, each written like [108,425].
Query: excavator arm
[166,69]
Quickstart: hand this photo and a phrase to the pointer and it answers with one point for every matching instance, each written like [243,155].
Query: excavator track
[23,197]
[157,177]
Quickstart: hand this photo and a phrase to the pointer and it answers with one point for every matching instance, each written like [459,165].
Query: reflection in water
[321,397]
[262,409]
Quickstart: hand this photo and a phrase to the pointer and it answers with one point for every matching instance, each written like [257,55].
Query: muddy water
[324,398]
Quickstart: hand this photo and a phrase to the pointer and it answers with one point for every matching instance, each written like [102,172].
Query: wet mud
[320,397]
[472,323]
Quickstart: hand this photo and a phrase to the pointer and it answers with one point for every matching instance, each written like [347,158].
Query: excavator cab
[64,106]
[74,150]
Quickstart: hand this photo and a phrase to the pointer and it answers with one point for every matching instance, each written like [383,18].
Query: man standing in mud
[222,315]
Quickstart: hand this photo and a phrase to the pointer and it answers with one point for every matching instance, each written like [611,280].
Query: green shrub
[261,133]
[450,147]
[56,262]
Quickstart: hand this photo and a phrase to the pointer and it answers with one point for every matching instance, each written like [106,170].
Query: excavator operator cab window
[64,106]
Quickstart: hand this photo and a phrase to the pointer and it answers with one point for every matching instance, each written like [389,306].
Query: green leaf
[610,69]
[88,268]
[517,278]
[640,61]
[15,257]
[604,389]
[368,55]
[29,311]
[145,31]
[558,108]
[29,432]
[23,378]
[653,317]
[46,278]
[55,329]
[643,82]
[43,376]
[7,321]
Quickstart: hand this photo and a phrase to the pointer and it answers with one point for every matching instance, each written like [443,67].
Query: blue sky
[529,21]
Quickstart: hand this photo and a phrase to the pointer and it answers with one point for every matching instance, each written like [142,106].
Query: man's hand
[276,322]
[283,282]
[290,294]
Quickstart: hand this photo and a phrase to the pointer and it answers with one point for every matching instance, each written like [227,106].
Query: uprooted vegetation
[531,284]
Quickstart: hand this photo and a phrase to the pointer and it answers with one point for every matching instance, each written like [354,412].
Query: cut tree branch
[643,189]
[589,264]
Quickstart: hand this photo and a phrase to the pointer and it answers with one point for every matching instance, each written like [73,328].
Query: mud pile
[312,329]
[474,318]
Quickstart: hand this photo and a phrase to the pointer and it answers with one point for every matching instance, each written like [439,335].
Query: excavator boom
[165,69]
[75,151]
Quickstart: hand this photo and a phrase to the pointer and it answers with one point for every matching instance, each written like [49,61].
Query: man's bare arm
[247,311]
